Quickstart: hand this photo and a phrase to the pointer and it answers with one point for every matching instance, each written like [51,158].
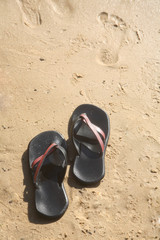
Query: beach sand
[54,56]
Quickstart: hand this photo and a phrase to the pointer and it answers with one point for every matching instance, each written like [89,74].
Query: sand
[54,56]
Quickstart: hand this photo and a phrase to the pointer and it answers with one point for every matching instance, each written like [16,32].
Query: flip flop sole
[90,171]
[50,195]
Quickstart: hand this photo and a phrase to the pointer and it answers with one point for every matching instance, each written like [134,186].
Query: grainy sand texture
[54,56]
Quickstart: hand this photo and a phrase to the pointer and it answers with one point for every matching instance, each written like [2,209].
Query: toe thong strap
[39,161]
[98,132]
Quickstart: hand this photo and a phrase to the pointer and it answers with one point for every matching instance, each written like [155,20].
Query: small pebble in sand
[81,93]
[153,171]
[42,59]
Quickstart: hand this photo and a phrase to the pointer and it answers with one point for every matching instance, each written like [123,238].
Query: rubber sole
[88,168]
[50,196]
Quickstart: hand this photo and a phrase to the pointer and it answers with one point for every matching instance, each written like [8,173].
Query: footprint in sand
[30,12]
[62,7]
[118,33]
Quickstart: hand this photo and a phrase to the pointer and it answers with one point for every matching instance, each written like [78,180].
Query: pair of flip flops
[89,131]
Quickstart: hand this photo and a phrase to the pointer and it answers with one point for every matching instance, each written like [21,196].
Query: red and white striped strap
[95,129]
[41,159]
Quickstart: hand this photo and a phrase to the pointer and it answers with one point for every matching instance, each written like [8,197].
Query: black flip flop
[48,162]
[89,129]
